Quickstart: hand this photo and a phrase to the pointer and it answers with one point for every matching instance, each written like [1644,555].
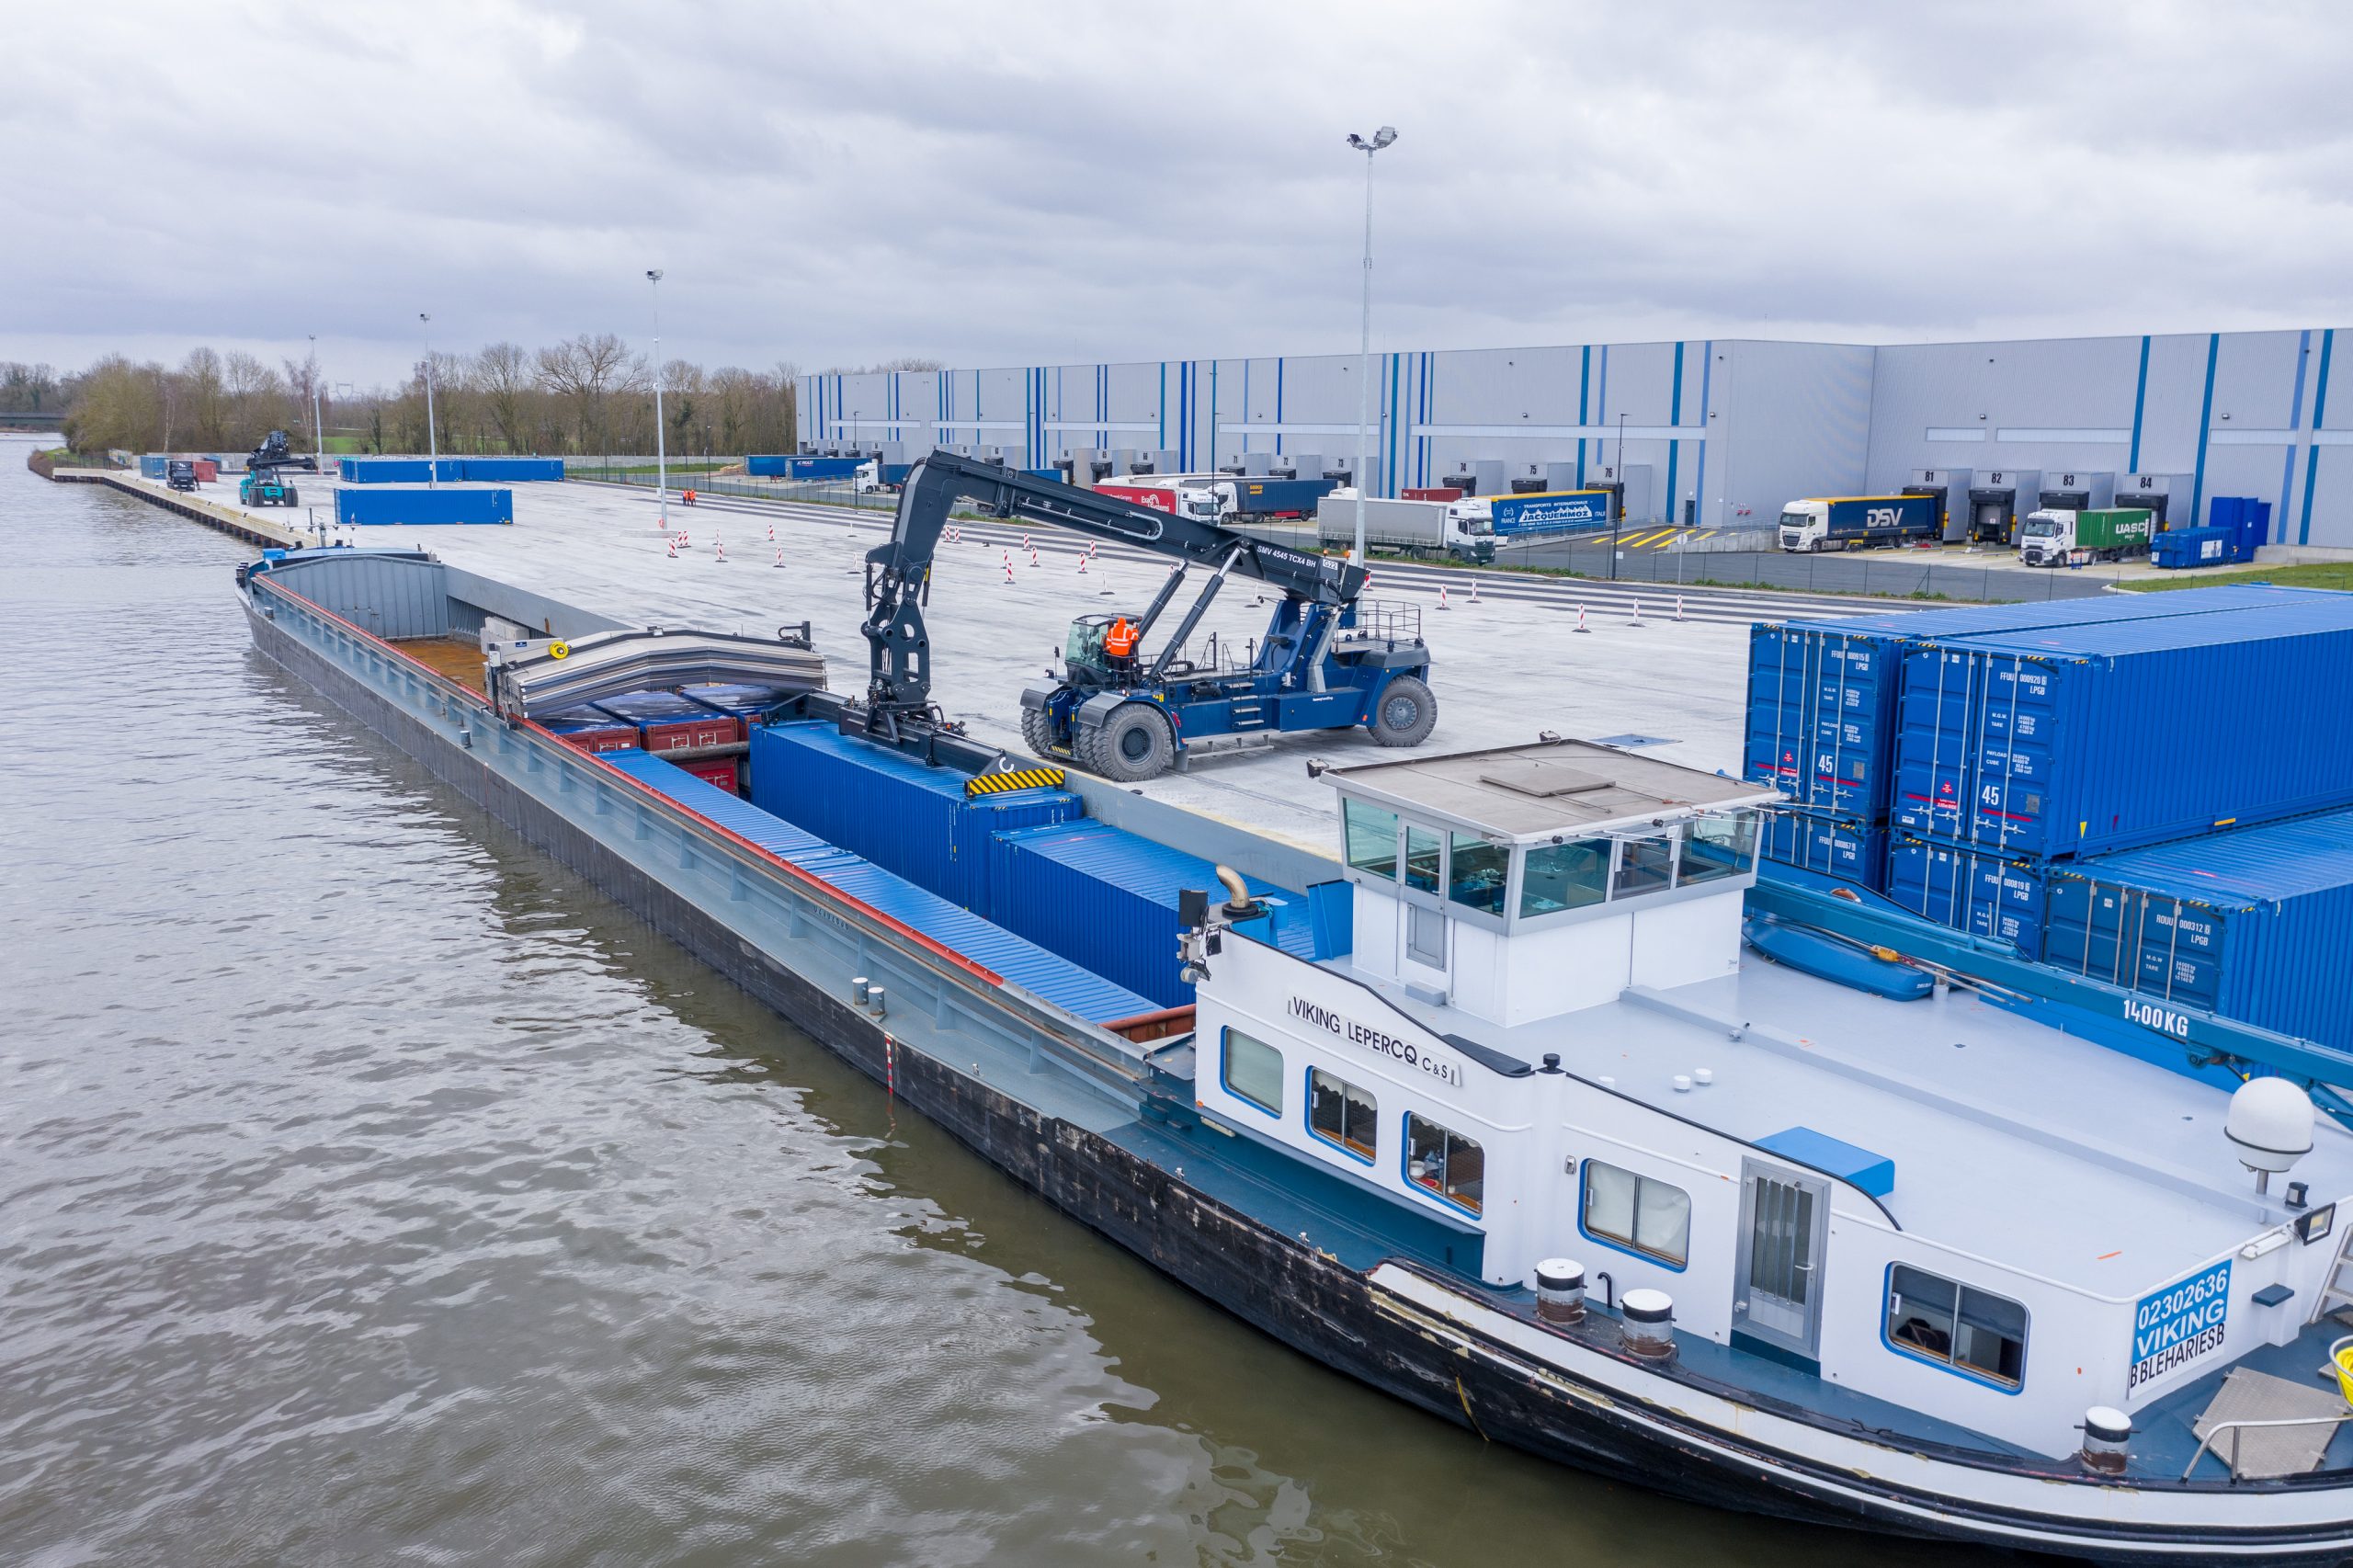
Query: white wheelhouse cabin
[1937,1219]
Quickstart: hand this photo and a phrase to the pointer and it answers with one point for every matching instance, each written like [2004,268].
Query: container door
[1784,1219]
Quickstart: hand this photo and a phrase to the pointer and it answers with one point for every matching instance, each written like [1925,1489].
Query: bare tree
[585,372]
[503,374]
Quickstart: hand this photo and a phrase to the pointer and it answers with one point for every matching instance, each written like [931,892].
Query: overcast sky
[1034,184]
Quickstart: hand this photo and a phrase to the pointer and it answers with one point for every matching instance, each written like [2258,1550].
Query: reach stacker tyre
[1135,743]
[1406,714]
[1038,733]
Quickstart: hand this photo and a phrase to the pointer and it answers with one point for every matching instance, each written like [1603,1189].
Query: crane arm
[898,574]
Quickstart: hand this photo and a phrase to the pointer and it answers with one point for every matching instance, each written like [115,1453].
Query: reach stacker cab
[262,486]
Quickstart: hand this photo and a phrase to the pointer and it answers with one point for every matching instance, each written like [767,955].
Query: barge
[1531,1106]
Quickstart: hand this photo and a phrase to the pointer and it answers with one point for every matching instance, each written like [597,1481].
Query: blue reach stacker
[1329,660]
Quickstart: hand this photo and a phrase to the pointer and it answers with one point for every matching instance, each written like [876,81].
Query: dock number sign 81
[2179,1323]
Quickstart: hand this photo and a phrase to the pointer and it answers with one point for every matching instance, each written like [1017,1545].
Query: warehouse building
[1714,432]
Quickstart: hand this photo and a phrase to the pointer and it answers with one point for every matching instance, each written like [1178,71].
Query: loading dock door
[1994,516]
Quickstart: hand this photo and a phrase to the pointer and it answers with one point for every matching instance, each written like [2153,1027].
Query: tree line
[590,395]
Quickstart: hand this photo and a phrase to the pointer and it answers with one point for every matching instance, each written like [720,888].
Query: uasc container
[2254,925]
[2071,741]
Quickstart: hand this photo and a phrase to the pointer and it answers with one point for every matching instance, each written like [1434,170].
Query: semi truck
[2052,537]
[1538,512]
[1842,522]
[1413,527]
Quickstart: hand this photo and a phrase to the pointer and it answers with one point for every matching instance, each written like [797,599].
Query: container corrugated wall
[2068,742]
[1834,846]
[511,470]
[401,506]
[1821,717]
[1976,890]
[2255,924]
[1057,980]
[909,819]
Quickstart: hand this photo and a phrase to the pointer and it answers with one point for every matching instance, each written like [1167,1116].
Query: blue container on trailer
[1047,975]
[1972,890]
[405,506]
[155,465]
[1822,719]
[911,820]
[1849,850]
[2177,548]
[771,466]
[2253,925]
[2071,741]
[1106,899]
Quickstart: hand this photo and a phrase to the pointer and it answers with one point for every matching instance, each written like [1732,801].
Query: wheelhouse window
[1638,1212]
[1339,1112]
[1254,1071]
[1424,850]
[1974,1332]
[1477,873]
[1564,876]
[1644,864]
[1372,838]
[1719,847]
[1445,1163]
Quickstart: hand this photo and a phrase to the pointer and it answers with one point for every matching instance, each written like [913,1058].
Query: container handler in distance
[262,486]
[1325,662]
[1841,522]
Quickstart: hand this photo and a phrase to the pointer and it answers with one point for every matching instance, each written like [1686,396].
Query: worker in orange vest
[1120,642]
[690,498]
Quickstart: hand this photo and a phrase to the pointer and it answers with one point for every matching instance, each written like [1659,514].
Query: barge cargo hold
[1381,1163]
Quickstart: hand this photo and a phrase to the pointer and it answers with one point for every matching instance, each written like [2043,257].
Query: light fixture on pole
[432,441]
[1618,503]
[318,425]
[1380,138]
[661,450]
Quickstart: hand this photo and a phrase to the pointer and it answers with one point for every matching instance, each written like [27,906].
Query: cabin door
[1784,1221]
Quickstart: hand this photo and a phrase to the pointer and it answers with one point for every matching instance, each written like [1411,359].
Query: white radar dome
[2270,1123]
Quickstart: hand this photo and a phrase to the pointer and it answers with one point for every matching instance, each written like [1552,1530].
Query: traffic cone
[1033,557]
[684,542]
[1082,566]
[673,544]
[1025,541]
[780,555]
[1581,625]
[771,533]
[720,547]
[1679,606]
[1008,571]
[1474,590]
[1637,619]
[1441,597]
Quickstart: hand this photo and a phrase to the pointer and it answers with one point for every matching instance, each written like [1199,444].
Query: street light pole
[318,425]
[661,449]
[432,441]
[1380,138]
[1617,508]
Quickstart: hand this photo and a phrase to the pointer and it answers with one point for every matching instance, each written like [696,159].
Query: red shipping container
[207,471]
[684,734]
[1431,493]
[616,738]
[719,770]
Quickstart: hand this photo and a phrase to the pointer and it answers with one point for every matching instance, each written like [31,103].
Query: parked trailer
[1841,522]
[1533,515]
[1407,525]
[1267,497]
[2058,537]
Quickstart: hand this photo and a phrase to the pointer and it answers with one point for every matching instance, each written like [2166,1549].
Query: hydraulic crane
[1327,661]
[262,486]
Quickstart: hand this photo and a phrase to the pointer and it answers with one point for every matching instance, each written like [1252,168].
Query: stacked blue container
[1822,719]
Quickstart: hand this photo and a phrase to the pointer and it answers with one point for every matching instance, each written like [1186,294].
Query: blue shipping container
[1280,497]
[743,701]
[769,466]
[2244,520]
[1549,511]
[1822,694]
[400,470]
[1977,891]
[153,465]
[2071,741]
[2178,548]
[2253,925]
[913,821]
[1834,846]
[1106,899]
[1045,974]
[411,507]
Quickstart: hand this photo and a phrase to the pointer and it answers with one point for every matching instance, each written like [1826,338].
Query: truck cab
[180,475]
[2047,537]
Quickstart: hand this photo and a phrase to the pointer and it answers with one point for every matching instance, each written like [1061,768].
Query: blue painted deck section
[2163,1438]
[1077,991]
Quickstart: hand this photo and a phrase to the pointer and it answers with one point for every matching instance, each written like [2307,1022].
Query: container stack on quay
[448,470]
[2151,793]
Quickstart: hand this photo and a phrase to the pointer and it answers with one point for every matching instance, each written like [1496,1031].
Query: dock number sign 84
[2179,1323]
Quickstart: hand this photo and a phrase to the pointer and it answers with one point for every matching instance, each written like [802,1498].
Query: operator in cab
[1119,639]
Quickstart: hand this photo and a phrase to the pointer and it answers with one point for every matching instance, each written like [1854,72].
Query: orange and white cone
[780,555]
[1474,590]
[1008,571]
[1033,558]
[1679,606]
[1441,598]
[1581,625]
[771,533]
[1637,617]
[673,545]
[1082,564]
[720,547]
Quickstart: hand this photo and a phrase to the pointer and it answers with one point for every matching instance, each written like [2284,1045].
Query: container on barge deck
[1049,975]
[1969,889]
[667,721]
[2254,925]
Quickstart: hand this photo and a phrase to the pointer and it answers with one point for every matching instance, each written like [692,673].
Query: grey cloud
[1028,183]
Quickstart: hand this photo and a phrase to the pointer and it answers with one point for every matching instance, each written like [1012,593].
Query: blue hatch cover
[1875,1173]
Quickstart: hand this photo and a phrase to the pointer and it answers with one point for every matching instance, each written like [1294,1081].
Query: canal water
[374,1191]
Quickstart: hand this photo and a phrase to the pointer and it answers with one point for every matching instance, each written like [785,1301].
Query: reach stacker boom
[1328,660]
